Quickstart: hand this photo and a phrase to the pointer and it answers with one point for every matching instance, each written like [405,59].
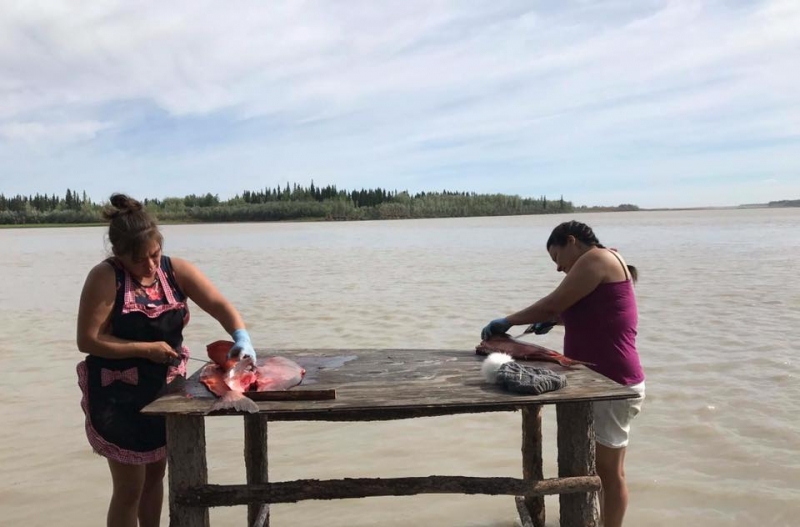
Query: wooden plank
[525,519]
[532,460]
[186,457]
[382,414]
[262,520]
[311,489]
[419,382]
[256,462]
[293,395]
[576,458]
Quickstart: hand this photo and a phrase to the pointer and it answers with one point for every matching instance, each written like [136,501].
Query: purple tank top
[601,329]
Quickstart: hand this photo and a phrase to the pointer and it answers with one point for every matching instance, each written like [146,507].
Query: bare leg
[128,482]
[614,497]
[152,494]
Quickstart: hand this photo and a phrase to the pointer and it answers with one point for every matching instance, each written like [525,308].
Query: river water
[716,444]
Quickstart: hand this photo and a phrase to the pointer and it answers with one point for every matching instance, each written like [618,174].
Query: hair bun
[125,203]
[121,204]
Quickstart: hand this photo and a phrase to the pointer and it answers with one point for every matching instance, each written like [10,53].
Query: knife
[538,328]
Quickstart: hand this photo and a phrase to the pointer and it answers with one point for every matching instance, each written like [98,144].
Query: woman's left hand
[496,327]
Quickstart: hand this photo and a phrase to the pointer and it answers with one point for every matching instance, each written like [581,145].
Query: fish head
[218,352]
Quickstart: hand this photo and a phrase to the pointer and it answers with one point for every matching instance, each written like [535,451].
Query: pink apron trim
[129,299]
[103,447]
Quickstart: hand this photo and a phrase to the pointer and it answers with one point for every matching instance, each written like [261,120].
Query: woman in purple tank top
[596,304]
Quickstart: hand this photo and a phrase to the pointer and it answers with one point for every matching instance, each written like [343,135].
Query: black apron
[119,388]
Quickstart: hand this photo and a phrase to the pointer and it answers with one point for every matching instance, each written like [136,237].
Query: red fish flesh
[230,379]
[523,350]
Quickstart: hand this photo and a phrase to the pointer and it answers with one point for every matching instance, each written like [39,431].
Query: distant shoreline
[324,220]
[771,205]
[727,207]
[47,225]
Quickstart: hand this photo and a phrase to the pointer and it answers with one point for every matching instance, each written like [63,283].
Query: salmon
[523,351]
[231,379]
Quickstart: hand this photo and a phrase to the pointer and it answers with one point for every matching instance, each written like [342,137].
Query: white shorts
[612,419]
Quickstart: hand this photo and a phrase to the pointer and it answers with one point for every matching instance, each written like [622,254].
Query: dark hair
[584,234]
[130,227]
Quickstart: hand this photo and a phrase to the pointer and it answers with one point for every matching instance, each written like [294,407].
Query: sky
[655,103]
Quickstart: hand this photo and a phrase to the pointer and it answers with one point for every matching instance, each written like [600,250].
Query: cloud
[39,132]
[577,98]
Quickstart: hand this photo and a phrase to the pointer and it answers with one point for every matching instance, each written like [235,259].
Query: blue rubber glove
[242,345]
[496,327]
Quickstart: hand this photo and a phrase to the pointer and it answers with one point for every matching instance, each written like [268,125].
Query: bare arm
[200,289]
[94,314]
[583,278]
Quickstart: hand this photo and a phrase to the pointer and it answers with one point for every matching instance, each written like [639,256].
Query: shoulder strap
[119,274]
[166,265]
[624,267]
[112,261]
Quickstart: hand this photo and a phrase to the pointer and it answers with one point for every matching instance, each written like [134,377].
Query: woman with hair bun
[596,304]
[131,316]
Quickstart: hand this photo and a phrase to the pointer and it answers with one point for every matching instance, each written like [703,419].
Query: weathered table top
[377,384]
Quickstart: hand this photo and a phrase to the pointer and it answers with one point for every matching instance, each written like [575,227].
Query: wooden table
[373,385]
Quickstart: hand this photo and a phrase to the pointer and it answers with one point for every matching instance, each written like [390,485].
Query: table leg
[532,461]
[186,458]
[256,464]
[576,457]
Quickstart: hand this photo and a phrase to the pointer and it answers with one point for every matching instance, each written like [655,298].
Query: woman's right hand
[160,352]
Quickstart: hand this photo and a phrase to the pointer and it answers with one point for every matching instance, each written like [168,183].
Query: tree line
[292,202]
[785,203]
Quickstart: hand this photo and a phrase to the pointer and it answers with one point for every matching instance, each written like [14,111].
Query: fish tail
[232,400]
